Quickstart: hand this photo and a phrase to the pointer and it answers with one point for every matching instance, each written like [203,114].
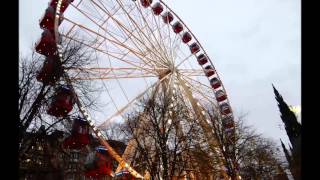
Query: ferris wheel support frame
[209,135]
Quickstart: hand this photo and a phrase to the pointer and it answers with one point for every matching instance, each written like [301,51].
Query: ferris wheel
[139,46]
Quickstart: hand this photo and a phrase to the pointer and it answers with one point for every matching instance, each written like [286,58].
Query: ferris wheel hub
[162,73]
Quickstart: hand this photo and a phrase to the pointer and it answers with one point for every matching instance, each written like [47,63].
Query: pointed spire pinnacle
[286,153]
[293,128]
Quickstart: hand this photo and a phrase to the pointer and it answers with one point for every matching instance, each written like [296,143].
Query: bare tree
[252,155]
[35,96]
[164,133]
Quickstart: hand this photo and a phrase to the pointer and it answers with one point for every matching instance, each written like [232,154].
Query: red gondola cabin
[209,71]
[79,135]
[146,3]
[221,95]
[202,59]
[194,48]
[186,37]
[215,83]
[228,122]
[47,21]
[51,70]
[177,27]
[62,103]
[167,17]
[47,44]
[157,8]
[64,4]
[98,164]
[225,108]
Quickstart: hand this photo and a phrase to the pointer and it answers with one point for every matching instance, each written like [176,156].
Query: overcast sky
[252,43]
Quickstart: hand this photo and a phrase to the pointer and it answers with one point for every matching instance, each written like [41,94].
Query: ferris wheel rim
[203,50]
[196,40]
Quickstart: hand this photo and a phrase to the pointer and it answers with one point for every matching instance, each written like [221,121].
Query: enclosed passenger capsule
[202,59]
[221,95]
[79,135]
[194,48]
[186,37]
[51,70]
[157,8]
[64,4]
[177,27]
[228,122]
[225,108]
[209,71]
[62,103]
[146,3]
[47,21]
[98,164]
[215,83]
[47,44]
[167,17]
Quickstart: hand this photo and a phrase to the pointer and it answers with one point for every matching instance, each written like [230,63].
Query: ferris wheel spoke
[91,11]
[191,72]
[176,44]
[116,41]
[191,55]
[129,36]
[136,24]
[183,61]
[119,112]
[145,21]
[203,90]
[142,35]
[116,77]
[161,38]
[148,34]
[169,39]
[106,20]
[106,73]
[132,63]
[125,29]
[112,54]
[196,82]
